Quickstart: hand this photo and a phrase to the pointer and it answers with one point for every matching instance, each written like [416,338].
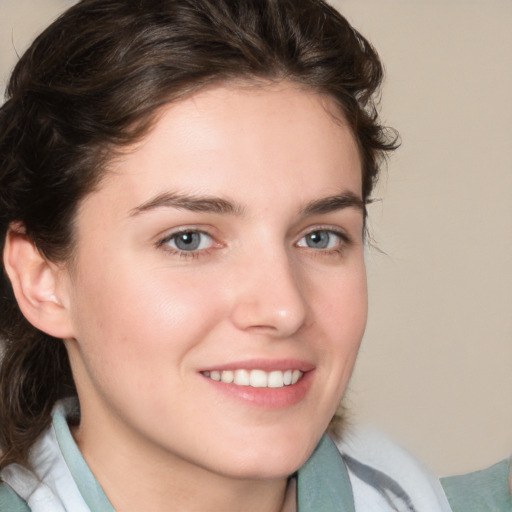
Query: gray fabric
[397,499]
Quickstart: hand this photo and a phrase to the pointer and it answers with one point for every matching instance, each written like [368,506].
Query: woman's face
[227,245]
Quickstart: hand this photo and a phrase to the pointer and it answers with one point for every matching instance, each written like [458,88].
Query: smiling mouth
[256,378]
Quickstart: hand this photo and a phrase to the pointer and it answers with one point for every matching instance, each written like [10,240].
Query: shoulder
[481,491]
[379,466]
[10,501]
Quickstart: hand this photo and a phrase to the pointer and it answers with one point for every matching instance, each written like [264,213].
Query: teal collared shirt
[488,490]
[323,482]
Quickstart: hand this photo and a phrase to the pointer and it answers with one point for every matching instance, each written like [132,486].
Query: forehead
[243,139]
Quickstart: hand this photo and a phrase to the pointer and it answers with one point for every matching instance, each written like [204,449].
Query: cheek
[126,315]
[176,302]
[341,313]
[137,335]
[342,304]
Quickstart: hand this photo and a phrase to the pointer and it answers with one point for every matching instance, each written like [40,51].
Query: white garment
[51,487]
[373,449]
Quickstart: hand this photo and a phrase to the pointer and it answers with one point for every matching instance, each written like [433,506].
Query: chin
[271,458]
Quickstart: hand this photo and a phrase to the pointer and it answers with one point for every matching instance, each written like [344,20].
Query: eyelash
[344,241]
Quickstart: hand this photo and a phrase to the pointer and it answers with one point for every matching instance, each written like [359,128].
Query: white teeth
[256,378]
[242,378]
[227,377]
[275,380]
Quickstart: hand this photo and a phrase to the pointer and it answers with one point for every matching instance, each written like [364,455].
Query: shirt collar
[323,481]
[89,488]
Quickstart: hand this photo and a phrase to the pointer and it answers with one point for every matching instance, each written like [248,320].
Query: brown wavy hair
[93,82]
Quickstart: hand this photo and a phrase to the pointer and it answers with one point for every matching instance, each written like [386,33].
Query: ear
[37,284]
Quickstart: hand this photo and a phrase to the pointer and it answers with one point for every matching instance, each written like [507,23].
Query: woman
[183,208]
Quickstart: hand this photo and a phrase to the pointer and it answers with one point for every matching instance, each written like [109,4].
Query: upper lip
[267,365]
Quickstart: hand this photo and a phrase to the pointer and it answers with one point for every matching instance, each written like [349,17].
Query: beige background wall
[435,368]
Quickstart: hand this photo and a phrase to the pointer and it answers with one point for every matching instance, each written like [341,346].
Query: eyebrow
[192,203]
[333,203]
[218,205]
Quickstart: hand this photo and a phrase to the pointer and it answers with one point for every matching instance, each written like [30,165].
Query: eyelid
[171,232]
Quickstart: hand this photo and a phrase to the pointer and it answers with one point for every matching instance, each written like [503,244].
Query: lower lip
[268,398]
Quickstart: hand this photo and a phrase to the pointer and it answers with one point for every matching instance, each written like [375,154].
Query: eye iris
[188,241]
[318,240]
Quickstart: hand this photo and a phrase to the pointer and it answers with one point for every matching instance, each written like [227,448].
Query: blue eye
[320,239]
[189,241]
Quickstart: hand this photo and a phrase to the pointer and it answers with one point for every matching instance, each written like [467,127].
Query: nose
[269,297]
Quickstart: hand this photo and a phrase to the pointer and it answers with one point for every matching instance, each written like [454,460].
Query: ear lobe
[35,282]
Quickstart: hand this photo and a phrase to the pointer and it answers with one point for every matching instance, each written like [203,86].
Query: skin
[145,318]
